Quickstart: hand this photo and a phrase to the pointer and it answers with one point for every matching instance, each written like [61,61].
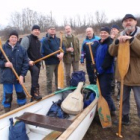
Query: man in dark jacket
[19,61]
[105,67]
[51,44]
[33,46]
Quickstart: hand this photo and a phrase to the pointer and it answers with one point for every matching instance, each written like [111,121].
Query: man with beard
[132,79]
[71,57]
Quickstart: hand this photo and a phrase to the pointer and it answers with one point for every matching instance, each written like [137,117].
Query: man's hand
[21,79]
[8,64]
[31,63]
[70,49]
[60,56]
[123,39]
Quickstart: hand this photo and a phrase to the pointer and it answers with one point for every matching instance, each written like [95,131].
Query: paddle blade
[60,75]
[123,58]
[104,113]
[73,104]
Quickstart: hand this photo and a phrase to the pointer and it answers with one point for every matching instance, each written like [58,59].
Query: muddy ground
[95,132]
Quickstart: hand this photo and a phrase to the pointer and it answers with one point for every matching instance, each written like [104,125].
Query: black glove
[93,66]
[95,75]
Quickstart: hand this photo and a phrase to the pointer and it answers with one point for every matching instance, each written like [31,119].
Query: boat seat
[45,121]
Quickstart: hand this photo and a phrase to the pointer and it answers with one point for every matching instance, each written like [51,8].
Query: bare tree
[100,18]
[25,20]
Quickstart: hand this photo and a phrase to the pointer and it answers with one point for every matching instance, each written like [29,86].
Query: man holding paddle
[85,53]
[18,60]
[51,44]
[33,46]
[105,67]
[132,78]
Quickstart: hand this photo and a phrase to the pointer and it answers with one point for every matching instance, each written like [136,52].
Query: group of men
[104,49]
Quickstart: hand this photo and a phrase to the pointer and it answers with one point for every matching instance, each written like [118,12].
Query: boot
[36,95]
[7,109]
[125,120]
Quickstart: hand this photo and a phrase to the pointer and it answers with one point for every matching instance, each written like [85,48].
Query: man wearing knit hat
[113,34]
[114,31]
[19,61]
[131,33]
[105,67]
[33,46]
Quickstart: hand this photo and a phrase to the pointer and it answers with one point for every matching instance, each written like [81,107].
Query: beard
[129,29]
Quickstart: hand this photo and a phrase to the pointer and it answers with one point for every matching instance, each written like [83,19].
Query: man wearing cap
[33,46]
[131,32]
[51,44]
[72,55]
[19,61]
[105,67]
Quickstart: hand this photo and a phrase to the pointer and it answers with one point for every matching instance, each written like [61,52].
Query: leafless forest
[24,20]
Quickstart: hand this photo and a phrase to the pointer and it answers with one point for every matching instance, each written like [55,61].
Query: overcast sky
[113,9]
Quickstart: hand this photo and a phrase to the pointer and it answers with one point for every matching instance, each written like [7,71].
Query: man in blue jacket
[105,67]
[85,54]
[51,44]
[19,61]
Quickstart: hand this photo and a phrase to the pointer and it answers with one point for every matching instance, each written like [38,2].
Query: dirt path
[95,132]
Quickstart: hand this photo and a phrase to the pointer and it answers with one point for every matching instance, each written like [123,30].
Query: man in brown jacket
[132,79]
[72,55]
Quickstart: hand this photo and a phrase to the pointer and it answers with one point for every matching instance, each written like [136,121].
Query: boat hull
[76,130]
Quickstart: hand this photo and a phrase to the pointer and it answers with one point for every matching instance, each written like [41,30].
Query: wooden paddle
[103,108]
[123,60]
[73,104]
[61,68]
[25,90]
[47,56]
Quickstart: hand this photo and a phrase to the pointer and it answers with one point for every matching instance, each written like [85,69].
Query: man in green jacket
[131,32]
[72,55]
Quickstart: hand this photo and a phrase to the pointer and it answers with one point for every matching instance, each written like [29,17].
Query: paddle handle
[46,56]
[93,62]
[26,92]
[120,110]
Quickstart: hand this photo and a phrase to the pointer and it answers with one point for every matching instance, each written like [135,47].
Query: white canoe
[75,131]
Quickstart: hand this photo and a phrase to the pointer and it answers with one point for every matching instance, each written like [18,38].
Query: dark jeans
[35,70]
[90,72]
[105,85]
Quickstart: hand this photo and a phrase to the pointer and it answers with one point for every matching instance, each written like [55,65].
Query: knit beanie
[107,29]
[115,26]
[14,32]
[35,27]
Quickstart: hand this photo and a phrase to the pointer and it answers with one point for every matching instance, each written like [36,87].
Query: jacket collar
[106,41]
[91,38]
